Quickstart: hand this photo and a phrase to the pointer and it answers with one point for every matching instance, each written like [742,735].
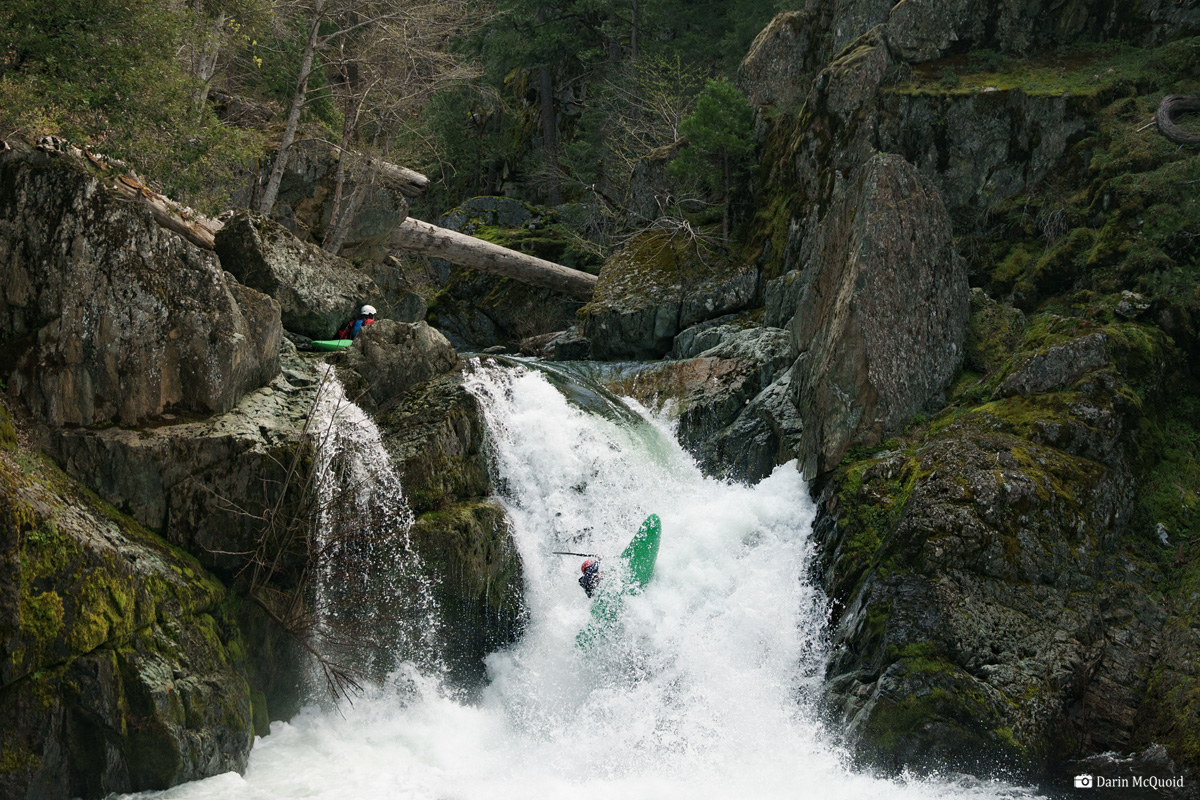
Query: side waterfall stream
[708,692]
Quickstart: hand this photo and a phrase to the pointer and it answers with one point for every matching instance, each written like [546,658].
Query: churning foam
[706,692]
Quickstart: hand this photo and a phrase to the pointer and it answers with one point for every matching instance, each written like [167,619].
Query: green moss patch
[1091,70]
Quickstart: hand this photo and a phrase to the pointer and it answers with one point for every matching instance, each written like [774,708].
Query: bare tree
[212,27]
[362,44]
[384,77]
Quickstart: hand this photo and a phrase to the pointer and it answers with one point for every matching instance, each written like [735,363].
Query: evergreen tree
[720,141]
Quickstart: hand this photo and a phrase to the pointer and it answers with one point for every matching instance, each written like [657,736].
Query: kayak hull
[627,577]
[331,344]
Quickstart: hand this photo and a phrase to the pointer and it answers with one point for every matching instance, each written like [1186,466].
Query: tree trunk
[725,205]
[206,66]
[549,133]
[633,32]
[267,201]
[458,248]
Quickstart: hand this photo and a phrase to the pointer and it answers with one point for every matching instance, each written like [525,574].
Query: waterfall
[373,600]
[708,691]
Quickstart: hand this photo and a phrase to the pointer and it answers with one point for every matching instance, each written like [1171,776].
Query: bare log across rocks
[416,236]
[196,228]
[410,182]
[1171,105]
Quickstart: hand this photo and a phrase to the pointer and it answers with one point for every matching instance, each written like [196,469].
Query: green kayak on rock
[630,573]
[331,344]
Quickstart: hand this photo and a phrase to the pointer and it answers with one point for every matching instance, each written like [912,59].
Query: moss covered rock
[657,285]
[115,677]
[479,584]
[997,601]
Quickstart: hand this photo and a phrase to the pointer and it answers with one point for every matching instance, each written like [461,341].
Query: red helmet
[586,564]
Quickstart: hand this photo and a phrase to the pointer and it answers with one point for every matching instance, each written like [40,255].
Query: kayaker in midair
[591,576]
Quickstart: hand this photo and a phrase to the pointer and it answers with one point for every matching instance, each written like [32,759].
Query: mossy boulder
[436,436]
[115,677]
[657,285]
[109,318]
[479,585]
[997,603]
[438,441]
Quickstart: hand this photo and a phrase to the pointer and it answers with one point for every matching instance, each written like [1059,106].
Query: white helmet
[368,311]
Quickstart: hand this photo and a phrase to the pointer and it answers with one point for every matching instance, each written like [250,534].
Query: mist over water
[705,691]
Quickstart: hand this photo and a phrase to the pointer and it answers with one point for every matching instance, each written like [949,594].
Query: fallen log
[409,182]
[196,228]
[416,236]
[1171,105]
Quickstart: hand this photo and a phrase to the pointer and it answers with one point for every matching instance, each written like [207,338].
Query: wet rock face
[437,438]
[316,291]
[110,318]
[115,676]
[881,312]
[389,358]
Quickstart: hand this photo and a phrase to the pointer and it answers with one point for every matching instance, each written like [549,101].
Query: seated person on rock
[591,576]
[355,324]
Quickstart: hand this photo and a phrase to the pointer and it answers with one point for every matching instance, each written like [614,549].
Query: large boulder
[657,285]
[304,204]
[208,486]
[881,312]
[316,291]
[992,604]
[114,674]
[388,358]
[109,318]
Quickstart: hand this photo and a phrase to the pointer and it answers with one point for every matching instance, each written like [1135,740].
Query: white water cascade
[708,693]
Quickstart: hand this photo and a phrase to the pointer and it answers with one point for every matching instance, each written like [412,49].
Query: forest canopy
[549,102]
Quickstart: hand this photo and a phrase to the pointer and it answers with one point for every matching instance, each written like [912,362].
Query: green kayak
[331,344]
[628,576]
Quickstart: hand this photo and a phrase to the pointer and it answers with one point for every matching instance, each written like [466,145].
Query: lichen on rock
[110,318]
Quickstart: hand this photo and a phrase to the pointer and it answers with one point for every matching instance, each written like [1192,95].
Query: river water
[706,691]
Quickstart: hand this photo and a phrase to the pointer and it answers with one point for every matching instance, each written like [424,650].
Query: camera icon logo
[1084,782]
